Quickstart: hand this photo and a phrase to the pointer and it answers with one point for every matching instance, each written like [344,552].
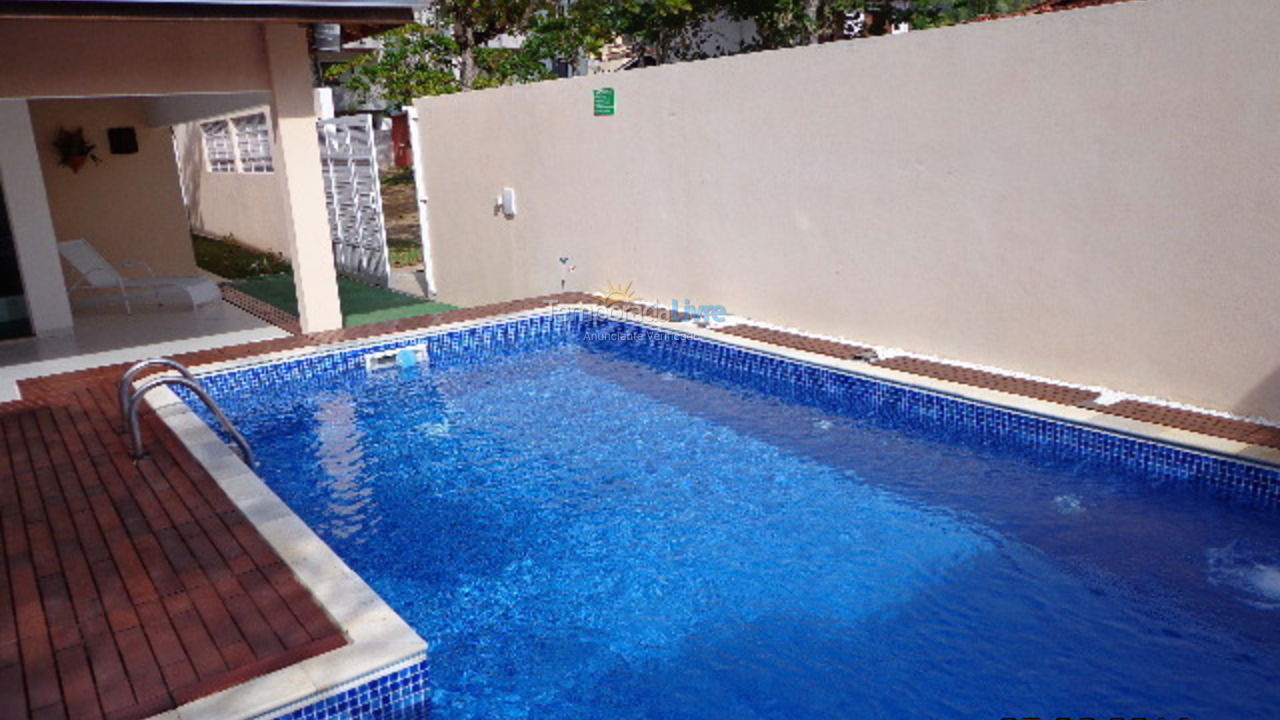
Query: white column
[29,218]
[323,103]
[420,184]
[298,168]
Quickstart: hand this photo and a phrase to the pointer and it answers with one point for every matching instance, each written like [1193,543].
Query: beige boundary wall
[1087,195]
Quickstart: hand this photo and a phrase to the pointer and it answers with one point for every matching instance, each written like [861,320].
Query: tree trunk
[661,51]
[812,11]
[467,68]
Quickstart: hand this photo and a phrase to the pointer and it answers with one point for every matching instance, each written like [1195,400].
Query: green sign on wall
[604,101]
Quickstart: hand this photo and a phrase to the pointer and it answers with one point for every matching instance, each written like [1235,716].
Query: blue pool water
[597,530]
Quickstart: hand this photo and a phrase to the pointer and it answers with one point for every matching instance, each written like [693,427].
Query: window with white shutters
[218,147]
[253,143]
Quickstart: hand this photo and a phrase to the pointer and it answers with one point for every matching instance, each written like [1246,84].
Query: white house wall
[43,58]
[246,206]
[126,206]
[176,109]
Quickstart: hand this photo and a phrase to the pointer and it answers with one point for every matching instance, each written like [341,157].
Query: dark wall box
[123,140]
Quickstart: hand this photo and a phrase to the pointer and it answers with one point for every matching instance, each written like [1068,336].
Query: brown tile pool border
[53,385]
[1242,431]
[1038,389]
[1233,429]
[795,341]
[262,310]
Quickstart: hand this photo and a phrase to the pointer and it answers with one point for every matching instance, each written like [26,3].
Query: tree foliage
[674,30]
[450,54]
[671,29]
[934,13]
[788,23]
[414,61]
[473,23]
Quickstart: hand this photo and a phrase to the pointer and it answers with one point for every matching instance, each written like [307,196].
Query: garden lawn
[234,261]
[361,304]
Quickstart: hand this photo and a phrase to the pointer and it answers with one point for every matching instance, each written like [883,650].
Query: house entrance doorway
[14,319]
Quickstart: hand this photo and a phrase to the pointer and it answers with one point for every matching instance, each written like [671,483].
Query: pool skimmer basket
[401,357]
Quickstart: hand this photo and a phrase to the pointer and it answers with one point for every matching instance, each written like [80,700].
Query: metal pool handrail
[126,382]
[188,381]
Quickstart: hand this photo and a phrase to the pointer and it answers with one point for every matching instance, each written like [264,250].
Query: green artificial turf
[361,304]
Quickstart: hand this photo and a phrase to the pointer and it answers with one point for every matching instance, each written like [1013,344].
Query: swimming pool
[588,518]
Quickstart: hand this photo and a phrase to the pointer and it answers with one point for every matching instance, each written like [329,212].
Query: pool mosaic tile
[907,408]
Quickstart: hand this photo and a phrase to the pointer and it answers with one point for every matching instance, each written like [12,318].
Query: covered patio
[126,86]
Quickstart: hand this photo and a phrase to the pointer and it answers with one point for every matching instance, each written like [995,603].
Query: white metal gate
[349,161]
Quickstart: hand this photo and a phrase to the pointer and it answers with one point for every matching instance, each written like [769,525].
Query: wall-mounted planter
[75,162]
[73,149]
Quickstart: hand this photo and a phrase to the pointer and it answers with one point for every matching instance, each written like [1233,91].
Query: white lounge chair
[98,274]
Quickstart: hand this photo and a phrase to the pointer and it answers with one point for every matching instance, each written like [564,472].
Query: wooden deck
[129,589]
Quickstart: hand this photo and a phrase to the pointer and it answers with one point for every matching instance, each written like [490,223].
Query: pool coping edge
[1081,415]
[379,640]
[1072,414]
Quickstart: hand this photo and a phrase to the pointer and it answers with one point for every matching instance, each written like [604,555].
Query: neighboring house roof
[370,11]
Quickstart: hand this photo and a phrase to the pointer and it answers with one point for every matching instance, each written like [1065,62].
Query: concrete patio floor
[111,338]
